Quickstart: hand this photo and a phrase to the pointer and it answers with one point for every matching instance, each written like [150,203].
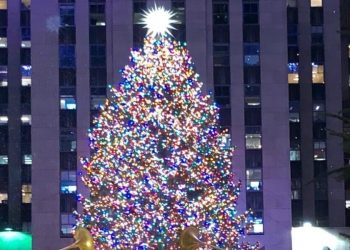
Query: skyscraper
[275,68]
[15,115]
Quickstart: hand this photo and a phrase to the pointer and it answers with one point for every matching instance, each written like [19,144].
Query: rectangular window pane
[68,161]
[67,56]
[4,119]
[257,219]
[254,177]
[26,193]
[255,201]
[251,74]
[316,3]
[294,155]
[27,159]
[3,160]
[222,75]
[26,72]
[253,158]
[68,182]
[251,54]
[252,116]
[320,151]
[3,4]
[67,15]
[68,103]
[293,73]
[3,198]
[317,73]
[253,137]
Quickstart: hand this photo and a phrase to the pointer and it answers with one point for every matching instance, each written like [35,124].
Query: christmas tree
[159,163]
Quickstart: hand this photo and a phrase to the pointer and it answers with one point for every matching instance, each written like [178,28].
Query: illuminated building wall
[240,49]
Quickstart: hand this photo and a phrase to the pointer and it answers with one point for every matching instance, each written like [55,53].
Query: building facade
[15,115]
[274,67]
[317,82]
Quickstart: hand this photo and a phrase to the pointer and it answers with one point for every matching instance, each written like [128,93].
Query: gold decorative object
[83,240]
[189,239]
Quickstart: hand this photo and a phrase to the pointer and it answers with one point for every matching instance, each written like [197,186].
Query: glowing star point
[158,21]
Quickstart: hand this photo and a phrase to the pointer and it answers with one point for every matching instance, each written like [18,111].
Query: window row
[317,73]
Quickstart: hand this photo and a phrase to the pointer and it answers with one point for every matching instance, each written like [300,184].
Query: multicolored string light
[159,162]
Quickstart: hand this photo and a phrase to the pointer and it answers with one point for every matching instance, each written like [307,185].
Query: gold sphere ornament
[83,240]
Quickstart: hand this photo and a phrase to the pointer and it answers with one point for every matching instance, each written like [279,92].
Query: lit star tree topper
[158,21]
[159,163]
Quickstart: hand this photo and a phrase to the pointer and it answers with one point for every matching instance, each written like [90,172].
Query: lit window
[320,151]
[68,182]
[4,159]
[251,54]
[97,15]
[254,179]
[347,204]
[26,119]
[252,101]
[317,73]
[294,117]
[3,42]
[253,141]
[68,103]
[294,155]
[258,226]
[316,3]
[66,229]
[3,4]
[26,44]
[4,119]
[296,194]
[27,159]
[26,193]
[26,71]
[257,220]
[225,141]
[3,198]
[67,223]
[3,76]
[293,73]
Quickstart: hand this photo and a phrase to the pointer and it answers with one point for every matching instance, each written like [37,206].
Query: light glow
[158,21]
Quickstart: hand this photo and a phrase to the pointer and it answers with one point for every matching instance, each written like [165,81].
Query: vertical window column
[178,7]
[4,175]
[98,70]
[252,113]
[67,106]
[319,113]
[221,61]
[294,112]
[26,81]
[139,32]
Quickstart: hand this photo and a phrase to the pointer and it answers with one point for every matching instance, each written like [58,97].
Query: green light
[12,240]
